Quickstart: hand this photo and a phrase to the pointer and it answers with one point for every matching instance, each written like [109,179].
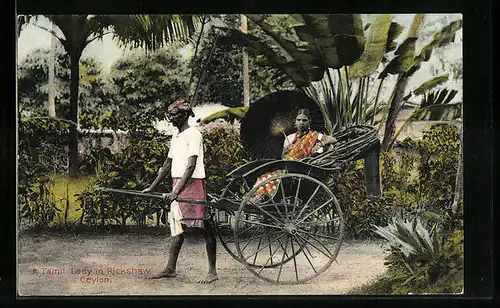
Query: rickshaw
[295,234]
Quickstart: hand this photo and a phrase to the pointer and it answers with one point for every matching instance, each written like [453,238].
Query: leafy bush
[135,167]
[423,259]
[439,149]
[42,150]
[223,153]
[39,205]
[410,187]
[360,210]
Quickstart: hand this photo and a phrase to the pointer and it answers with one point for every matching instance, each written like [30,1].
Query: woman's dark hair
[305,112]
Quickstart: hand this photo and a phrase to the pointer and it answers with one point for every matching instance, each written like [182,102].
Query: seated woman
[298,145]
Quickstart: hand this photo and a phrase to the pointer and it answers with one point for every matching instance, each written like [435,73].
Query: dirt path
[52,265]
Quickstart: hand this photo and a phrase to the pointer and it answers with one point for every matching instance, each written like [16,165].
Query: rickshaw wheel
[301,222]
[236,190]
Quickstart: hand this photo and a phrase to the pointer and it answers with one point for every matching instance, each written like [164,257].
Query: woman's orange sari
[302,147]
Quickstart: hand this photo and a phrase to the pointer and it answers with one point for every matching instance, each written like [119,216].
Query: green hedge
[410,185]
[136,166]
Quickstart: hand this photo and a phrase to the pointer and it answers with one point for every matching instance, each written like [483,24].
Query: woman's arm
[287,145]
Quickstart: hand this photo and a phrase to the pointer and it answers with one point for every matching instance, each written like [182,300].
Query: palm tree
[147,31]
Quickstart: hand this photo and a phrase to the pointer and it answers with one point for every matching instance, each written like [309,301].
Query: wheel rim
[223,230]
[303,223]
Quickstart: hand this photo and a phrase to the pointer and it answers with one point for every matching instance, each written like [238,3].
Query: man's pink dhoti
[192,215]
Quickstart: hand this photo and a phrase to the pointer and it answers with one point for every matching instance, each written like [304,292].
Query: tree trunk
[459,181]
[52,91]
[397,98]
[390,124]
[73,112]
[124,220]
[246,79]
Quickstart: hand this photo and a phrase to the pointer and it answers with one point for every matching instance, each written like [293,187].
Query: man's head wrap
[179,107]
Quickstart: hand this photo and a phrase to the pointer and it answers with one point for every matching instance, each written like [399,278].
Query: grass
[448,284]
[381,286]
[61,182]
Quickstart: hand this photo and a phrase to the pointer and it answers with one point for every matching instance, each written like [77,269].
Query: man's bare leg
[211,245]
[175,248]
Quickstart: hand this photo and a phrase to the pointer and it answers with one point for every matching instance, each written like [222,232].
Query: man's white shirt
[183,145]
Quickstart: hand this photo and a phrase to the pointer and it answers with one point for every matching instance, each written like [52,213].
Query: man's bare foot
[209,278]
[166,273]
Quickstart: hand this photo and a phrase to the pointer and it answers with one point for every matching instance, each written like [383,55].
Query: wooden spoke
[323,205]
[294,260]
[307,203]
[261,224]
[296,201]
[308,260]
[258,246]
[320,235]
[283,198]
[265,247]
[267,213]
[274,204]
[282,262]
[251,238]
[270,258]
[314,246]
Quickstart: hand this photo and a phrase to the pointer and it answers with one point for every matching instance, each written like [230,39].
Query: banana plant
[309,49]
[405,64]
[329,57]
[347,97]
[319,41]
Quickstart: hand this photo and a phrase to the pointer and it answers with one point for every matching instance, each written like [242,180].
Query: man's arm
[164,170]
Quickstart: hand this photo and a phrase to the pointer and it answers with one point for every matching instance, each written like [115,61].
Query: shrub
[424,258]
[42,150]
[439,149]
[135,168]
[223,153]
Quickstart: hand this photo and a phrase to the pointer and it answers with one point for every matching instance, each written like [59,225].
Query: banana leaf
[338,38]
[293,69]
[403,61]
[395,31]
[439,39]
[310,60]
[434,82]
[375,47]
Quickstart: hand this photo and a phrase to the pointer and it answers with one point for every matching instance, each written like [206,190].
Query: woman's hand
[328,140]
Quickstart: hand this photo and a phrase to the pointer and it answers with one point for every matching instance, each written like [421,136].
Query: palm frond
[154,31]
